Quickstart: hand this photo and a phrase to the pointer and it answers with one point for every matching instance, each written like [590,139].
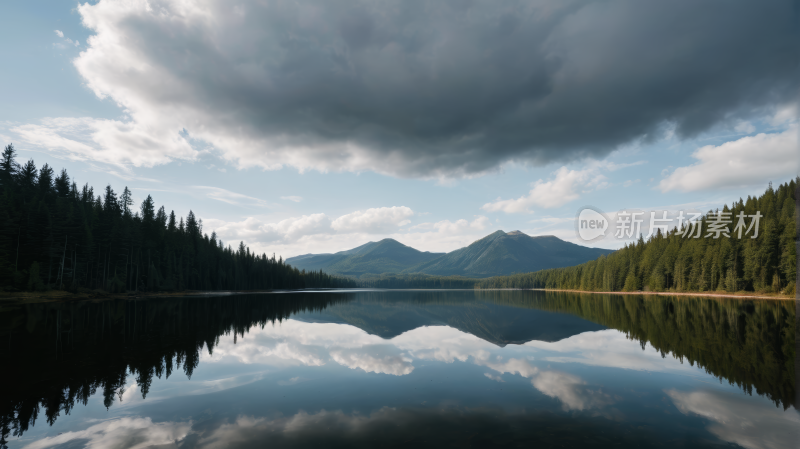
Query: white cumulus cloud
[565,187]
[751,160]
[252,230]
[374,221]
[108,141]
[382,220]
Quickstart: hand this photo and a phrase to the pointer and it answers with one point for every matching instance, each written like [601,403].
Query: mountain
[393,315]
[497,254]
[385,256]
[503,253]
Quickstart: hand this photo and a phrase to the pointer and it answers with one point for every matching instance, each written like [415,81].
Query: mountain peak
[501,253]
[384,256]
[498,253]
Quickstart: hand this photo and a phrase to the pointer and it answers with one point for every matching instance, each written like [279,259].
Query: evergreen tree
[54,236]
[672,262]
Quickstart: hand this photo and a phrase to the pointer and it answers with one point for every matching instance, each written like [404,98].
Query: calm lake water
[400,369]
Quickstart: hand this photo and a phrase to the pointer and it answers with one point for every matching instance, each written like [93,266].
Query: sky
[318,126]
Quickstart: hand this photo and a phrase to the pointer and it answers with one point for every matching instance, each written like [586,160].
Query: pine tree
[668,261]
[70,238]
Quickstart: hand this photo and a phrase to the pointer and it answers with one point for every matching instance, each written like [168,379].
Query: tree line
[68,351]
[420,281]
[673,262]
[748,343]
[55,235]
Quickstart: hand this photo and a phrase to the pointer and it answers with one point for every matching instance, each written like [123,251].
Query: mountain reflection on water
[396,368]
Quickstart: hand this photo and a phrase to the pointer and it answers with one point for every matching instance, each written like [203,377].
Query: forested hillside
[54,234]
[416,281]
[385,256]
[501,253]
[764,264]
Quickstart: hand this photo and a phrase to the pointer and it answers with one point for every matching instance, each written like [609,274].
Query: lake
[400,369]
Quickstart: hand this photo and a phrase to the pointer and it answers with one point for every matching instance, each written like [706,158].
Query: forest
[55,235]
[671,262]
[416,281]
[748,343]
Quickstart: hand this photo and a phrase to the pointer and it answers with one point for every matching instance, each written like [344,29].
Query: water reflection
[739,420]
[440,367]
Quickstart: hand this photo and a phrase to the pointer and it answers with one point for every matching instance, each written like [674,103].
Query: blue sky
[134,95]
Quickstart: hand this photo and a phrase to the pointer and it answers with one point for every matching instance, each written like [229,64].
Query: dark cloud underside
[425,88]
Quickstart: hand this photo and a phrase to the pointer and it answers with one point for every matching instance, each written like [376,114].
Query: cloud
[226,196]
[493,377]
[751,160]
[745,127]
[456,227]
[547,194]
[133,433]
[565,187]
[67,41]
[513,366]
[738,419]
[374,221]
[125,174]
[295,199]
[450,344]
[570,390]
[374,360]
[427,89]
[320,233]
[369,221]
[254,231]
[108,141]
[316,344]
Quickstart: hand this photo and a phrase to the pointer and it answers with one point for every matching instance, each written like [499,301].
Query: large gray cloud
[431,88]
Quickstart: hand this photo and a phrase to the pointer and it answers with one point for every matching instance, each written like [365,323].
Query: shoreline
[60,295]
[744,295]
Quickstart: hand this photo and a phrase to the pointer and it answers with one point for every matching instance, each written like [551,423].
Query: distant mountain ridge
[501,253]
[497,254]
[498,324]
[385,256]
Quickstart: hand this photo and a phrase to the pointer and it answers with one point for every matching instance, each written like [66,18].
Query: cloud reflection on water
[131,433]
[738,419]
[315,344]
[745,421]
[571,390]
[431,427]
